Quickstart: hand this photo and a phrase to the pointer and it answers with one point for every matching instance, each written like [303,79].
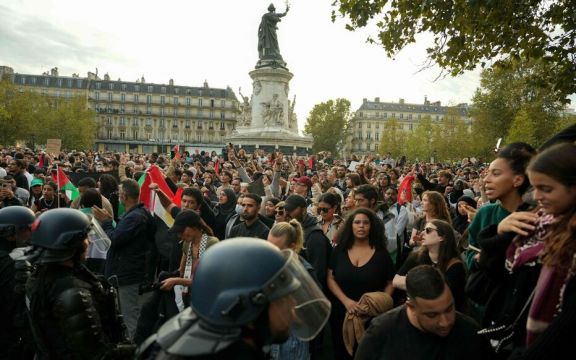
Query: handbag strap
[528,301]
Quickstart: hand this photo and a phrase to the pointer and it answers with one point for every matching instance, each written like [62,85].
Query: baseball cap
[304,180]
[186,218]
[294,201]
[36,182]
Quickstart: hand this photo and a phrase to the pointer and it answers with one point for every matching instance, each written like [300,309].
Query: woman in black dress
[358,265]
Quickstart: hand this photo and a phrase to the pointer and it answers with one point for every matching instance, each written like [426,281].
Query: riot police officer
[15,225]
[73,313]
[246,294]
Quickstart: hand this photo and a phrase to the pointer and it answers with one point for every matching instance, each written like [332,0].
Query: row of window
[122,121]
[148,88]
[161,112]
[46,81]
[149,136]
[149,99]
[408,117]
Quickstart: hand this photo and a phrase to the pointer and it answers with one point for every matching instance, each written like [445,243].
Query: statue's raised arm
[268,48]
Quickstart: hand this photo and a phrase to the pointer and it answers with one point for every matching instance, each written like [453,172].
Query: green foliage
[522,129]
[468,33]
[419,143]
[328,124]
[451,139]
[30,116]
[392,139]
[565,122]
[506,91]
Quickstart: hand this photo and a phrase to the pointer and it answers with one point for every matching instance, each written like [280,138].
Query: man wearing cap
[317,246]
[35,191]
[251,226]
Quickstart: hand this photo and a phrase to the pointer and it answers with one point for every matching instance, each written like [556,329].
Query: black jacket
[317,248]
[131,240]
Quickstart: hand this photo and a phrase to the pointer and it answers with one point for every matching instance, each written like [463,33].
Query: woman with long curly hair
[359,264]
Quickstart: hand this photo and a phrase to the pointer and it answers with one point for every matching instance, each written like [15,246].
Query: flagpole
[58,186]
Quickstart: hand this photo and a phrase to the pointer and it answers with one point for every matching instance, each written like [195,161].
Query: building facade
[144,117]
[368,123]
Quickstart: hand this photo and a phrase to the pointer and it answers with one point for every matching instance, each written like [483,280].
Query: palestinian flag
[65,184]
[149,198]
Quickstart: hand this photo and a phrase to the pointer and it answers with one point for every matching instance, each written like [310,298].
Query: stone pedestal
[268,120]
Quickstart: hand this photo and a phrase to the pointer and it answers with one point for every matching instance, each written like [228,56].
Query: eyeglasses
[323,209]
[279,212]
[428,230]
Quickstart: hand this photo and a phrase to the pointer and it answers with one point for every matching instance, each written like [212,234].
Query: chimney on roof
[401,101]
[106,77]
[91,76]
[426,102]
[206,84]
[377,99]
[364,100]
[142,80]
[171,82]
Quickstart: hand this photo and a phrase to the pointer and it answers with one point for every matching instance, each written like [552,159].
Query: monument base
[272,138]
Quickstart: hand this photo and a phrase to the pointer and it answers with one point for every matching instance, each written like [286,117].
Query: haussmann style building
[144,117]
[370,119]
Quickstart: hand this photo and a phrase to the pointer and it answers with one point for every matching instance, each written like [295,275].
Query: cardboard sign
[353,164]
[53,146]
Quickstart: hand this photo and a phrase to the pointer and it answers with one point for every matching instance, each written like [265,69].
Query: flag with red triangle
[148,197]
[65,184]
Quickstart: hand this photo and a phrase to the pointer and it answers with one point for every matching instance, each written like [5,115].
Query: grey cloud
[29,42]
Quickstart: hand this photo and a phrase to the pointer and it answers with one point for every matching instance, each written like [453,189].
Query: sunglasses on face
[428,230]
[279,212]
[323,209]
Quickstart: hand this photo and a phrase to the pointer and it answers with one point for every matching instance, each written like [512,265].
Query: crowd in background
[500,231]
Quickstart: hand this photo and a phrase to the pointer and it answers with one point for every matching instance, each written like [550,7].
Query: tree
[522,129]
[468,33]
[393,139]
[26,115]
[73,122]
[419,143]
[502,94]
[20,111]
[451,138]
[328,124]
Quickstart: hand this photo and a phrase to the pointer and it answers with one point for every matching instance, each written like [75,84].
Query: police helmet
[14,218]
[60,232]
[237,279]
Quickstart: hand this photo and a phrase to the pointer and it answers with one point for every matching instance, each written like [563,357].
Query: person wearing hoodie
[317,248]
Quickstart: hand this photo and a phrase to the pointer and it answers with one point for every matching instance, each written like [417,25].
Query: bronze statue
[268,48]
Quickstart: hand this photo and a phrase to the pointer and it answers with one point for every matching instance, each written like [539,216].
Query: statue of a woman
[267,39]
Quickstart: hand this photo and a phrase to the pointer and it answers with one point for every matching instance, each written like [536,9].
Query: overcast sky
[216,40]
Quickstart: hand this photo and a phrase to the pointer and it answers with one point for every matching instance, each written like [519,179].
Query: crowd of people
[401,259]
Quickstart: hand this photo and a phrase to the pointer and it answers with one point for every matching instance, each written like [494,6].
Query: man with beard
[426,327]
[251,226]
